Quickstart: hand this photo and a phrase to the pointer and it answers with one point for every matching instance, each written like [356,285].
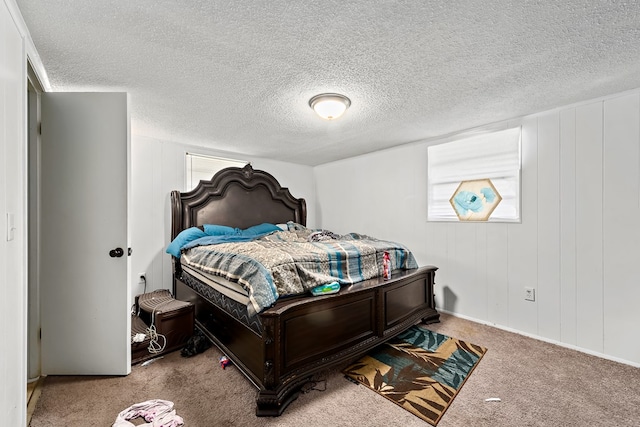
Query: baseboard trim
[33,396]
[547,340]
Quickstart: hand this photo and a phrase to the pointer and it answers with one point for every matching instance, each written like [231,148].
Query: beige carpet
[539,384]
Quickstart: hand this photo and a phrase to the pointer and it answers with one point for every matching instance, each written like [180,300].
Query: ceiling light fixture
[329,106]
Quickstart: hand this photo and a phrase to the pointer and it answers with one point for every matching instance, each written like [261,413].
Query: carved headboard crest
[247,170]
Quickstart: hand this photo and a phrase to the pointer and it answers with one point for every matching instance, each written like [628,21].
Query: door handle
[116,253]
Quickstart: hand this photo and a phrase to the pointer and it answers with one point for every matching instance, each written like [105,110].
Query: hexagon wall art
[475,200]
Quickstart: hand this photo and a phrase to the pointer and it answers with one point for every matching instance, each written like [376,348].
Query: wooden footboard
[304,335]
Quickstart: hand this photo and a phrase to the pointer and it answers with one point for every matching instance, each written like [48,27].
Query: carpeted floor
[539,384]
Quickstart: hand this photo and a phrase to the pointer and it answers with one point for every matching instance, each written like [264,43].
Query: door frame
[15,406]
[34,91]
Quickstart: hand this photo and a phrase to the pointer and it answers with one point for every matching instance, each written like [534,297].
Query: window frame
[217,164]
[449,163]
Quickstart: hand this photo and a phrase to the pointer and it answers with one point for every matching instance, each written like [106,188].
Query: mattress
[226,295]
[226,287]
[289,263]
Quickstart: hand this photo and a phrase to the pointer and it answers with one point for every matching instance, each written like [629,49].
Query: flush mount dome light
[329,106]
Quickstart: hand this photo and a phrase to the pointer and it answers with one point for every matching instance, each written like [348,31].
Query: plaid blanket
[293,262]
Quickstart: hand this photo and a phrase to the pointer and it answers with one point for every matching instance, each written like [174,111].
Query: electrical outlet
[529,294]
[142,277]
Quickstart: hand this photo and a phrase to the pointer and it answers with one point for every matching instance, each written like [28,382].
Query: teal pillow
[219,230]
[260,229]
[185,236]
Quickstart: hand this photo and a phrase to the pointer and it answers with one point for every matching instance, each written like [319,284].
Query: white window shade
[200,167]
[495,156]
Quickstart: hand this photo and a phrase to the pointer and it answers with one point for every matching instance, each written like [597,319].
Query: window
[200,167]
[494,156]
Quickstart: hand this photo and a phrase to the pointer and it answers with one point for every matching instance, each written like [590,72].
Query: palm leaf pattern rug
[420,370]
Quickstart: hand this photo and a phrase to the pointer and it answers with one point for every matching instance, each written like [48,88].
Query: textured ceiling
[237,76]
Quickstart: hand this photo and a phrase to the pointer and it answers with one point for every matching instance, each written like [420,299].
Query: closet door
[84,276]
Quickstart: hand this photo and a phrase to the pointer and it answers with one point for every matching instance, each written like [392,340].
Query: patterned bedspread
[293,262]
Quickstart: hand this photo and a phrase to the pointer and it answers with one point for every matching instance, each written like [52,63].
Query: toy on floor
[224,361]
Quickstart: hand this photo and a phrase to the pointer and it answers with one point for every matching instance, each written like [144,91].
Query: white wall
[13,260]
[157,169]
[578,244]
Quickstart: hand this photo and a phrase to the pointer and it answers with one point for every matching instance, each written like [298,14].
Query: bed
[282,346]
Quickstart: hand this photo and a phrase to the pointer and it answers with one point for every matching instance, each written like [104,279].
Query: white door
[84,273]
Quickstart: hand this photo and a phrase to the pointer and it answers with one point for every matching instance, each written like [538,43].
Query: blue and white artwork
[475,200]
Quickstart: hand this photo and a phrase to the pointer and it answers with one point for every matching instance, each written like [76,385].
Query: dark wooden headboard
[236,197]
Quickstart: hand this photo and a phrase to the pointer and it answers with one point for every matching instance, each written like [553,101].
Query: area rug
[419,370]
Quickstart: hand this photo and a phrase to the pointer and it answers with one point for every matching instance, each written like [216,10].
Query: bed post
[176,214]
[176,228]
